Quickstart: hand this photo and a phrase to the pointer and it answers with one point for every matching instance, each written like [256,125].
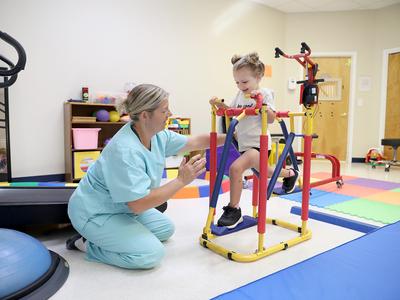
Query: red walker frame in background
[309,97]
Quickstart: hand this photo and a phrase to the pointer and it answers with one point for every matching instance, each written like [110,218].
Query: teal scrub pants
[127,240]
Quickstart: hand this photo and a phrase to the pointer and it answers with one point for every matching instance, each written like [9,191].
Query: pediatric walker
[261,189]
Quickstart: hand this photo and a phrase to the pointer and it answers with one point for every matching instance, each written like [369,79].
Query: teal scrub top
[125,171]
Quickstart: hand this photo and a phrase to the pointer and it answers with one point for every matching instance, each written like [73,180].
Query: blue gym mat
[319,198]
[365,268]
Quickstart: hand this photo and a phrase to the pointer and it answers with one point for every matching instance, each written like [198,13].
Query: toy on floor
[374,157]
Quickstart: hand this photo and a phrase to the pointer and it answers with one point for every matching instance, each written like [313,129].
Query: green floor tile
[368,209]
[24,184]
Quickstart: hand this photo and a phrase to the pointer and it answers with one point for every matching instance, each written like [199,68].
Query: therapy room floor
[190,271]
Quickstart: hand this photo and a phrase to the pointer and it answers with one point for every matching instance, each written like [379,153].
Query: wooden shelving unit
[182,126]
[179,125]
[108,129]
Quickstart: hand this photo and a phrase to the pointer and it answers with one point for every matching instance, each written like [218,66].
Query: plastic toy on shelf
[179,125]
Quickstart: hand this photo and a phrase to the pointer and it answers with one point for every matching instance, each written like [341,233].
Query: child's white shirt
[249,128]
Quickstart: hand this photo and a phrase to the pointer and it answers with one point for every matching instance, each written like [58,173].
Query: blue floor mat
[319,198]
[365,268]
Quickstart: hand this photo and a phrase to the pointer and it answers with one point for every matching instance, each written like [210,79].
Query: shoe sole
[294,186]
[70,243]
[290,191]
[236,224]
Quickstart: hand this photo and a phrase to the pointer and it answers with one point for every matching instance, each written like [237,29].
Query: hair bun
[253,57]
[251,61]
[235,59]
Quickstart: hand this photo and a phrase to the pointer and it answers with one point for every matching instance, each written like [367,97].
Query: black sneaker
[231,217]
[289,183]
[70,243]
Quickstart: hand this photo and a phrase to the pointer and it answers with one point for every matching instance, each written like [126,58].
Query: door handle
[343,115]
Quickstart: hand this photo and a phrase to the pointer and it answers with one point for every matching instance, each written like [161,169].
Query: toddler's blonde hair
[251,61]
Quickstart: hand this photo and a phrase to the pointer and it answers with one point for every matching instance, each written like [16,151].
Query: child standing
[248,70]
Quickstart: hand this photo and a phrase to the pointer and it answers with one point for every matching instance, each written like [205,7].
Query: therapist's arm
[188,171]
[200,142]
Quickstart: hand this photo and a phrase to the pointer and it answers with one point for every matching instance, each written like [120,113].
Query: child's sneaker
[289,183]
[231,217]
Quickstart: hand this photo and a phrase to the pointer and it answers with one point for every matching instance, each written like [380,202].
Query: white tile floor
[190,271]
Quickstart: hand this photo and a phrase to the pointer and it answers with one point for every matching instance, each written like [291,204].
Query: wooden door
[392,120]
[331,114]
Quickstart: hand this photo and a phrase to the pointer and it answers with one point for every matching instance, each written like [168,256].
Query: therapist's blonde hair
[143,97]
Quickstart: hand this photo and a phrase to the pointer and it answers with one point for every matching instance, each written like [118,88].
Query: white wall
[183,46]
[367,33]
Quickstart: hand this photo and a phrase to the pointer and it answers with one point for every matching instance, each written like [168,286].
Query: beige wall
[184,46]
[367,33]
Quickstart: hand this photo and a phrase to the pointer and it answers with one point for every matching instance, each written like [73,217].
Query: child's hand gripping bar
[249,111]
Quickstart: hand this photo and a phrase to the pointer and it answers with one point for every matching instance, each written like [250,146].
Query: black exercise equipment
[25,206]
[12,71]
[21,206]
[27,269]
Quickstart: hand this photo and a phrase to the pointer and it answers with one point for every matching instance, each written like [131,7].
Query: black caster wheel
[339,184]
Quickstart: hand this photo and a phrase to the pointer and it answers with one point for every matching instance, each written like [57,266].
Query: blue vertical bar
[291,152]
[279,165]
[222,164]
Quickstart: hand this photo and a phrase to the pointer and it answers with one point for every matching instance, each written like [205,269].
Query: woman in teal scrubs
[113,208]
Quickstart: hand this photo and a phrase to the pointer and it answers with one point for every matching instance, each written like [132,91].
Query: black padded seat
[394,143]
[391,142]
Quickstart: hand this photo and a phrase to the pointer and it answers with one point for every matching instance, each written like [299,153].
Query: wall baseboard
[358,160]
[42,178]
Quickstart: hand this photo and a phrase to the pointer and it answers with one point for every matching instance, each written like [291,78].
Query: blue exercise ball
[23,260]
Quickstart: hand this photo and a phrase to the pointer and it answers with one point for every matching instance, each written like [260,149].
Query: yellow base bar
[206,240]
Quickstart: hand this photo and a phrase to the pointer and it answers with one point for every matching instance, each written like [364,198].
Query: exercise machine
[27,269]
[262,189]
[23,205]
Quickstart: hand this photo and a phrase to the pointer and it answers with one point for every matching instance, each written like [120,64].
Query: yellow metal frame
[207,239]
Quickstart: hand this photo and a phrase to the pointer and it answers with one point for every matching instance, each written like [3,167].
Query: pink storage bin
[85,138]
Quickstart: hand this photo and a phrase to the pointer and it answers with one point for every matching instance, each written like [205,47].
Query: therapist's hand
[190,170]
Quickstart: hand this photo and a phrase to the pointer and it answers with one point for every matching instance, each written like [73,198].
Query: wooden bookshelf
[182,126]
[179,125]
[86,110]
